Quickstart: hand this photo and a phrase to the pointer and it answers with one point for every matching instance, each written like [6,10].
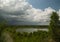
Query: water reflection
[30,29]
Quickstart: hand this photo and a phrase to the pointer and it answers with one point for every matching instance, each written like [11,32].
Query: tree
[53,27]
[2,27]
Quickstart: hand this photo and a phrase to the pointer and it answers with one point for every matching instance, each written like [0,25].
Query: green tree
[2,27]
[53,27]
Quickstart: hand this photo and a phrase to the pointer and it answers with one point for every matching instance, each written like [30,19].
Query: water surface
[30,29]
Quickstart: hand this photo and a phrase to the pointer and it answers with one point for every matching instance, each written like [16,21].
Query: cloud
[20,10]
[59,13]
[38,14]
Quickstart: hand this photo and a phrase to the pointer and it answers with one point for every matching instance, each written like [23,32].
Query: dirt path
[7,37]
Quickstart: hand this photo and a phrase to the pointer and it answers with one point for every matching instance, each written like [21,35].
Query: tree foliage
[53,27]
[2,27]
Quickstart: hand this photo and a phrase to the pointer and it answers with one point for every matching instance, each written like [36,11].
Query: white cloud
[21,10]
[58,12]
[38,14]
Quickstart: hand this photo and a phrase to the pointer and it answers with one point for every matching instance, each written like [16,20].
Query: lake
[31,29]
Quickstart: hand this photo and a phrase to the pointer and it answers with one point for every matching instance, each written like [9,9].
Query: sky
[42,4]
[28,12]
